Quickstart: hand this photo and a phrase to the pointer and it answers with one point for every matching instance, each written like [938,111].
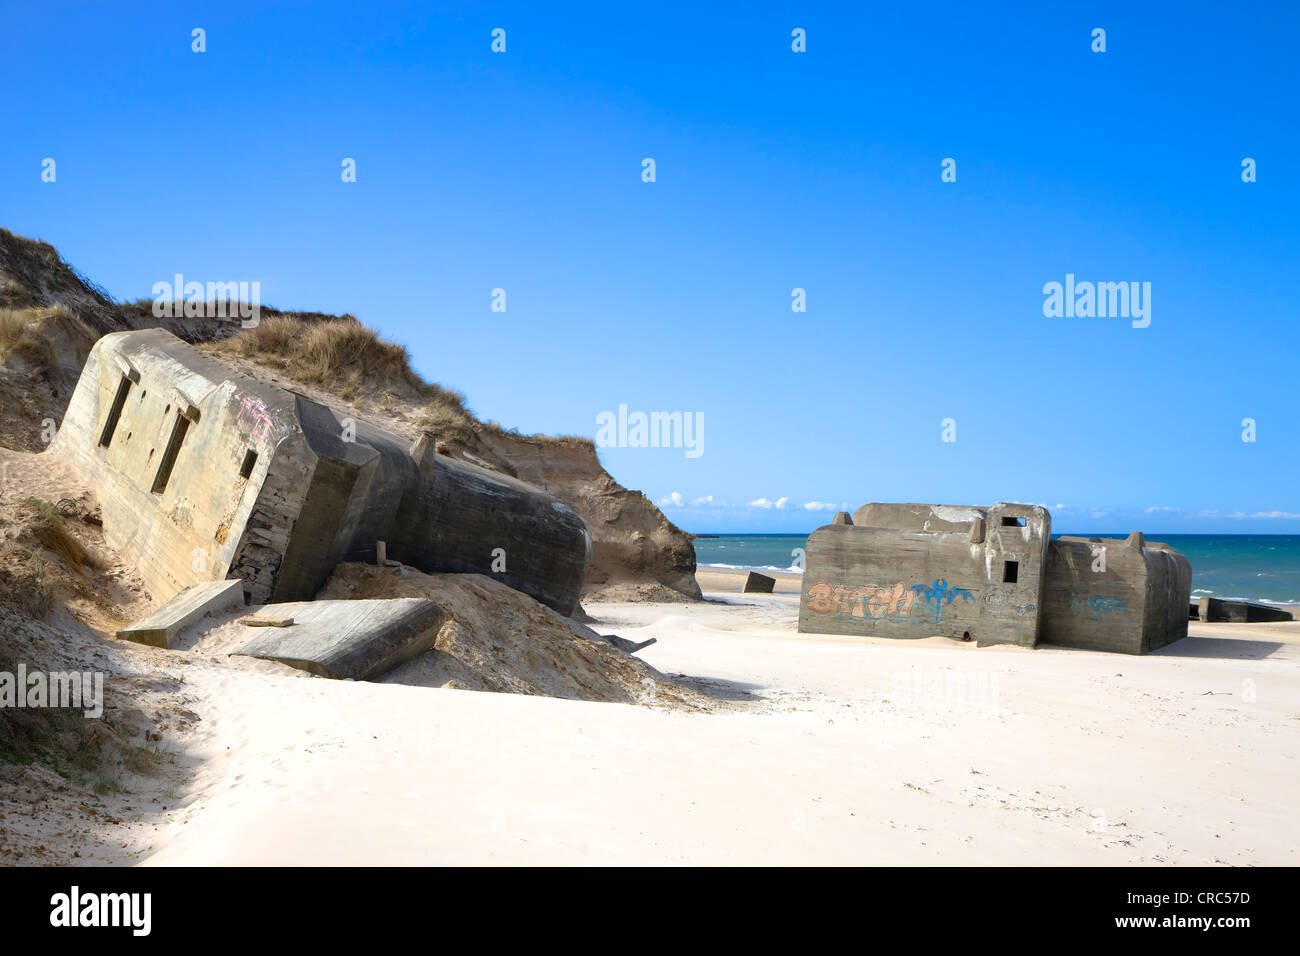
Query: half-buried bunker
[205,473]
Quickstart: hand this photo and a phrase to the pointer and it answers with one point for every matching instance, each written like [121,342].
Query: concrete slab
[1241,612]
[160,627]
[759,583]
[354,640]
[626,646]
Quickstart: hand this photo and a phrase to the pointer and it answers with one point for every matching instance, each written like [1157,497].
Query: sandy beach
[834,751]
[732,581]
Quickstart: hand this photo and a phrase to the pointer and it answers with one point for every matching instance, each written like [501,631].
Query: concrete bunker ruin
[205,473]
[993,575]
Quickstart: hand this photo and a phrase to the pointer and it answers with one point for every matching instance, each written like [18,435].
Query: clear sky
[774,170]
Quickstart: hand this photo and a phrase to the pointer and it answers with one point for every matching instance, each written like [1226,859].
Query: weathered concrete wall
[1134,600]
[181,534]
[1169,588]
[262,483]
[1086,606]
[457,516]
[260,547]
[963,572]
[917,517]
[861,580]
[1015,557]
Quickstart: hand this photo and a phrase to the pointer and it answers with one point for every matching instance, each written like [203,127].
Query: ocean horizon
[1242,567]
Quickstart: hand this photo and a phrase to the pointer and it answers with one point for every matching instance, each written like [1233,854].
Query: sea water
[1250,567]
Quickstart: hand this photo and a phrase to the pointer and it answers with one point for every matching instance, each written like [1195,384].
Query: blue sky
[775,170]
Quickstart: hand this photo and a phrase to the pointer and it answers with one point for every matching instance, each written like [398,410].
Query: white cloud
[704,501]
[675,500]
[1155,508]
[1284,515]
[822,506]
[780,504]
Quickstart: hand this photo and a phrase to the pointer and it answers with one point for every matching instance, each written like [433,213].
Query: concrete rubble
[348,640]
[161,627]
[1240,612]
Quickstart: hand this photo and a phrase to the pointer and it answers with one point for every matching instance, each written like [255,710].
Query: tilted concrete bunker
[992,575]
[205,473]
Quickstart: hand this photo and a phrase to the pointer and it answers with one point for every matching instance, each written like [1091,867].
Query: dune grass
[344,356]
[47,526]
[26,333]
[25,580]
[335,352]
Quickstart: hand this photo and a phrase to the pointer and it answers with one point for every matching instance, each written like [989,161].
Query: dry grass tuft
[47,526]
[446,420]
[350,359]
[513,434]
[13,294]
[18,332]
[25,580]
[338,352]
[28,333]
[142,758]
[341,355]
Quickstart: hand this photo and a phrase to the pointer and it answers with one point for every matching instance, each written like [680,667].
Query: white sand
[1071,757]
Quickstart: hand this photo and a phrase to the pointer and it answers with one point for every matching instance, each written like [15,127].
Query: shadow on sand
[1219,648]
[719,689]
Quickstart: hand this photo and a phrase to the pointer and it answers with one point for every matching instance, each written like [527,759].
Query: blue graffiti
[1105,605]
[940,594]
[1098,605]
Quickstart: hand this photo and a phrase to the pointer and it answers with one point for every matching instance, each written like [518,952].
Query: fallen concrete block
[354,640]
[160,627]
[626,646]
[1240,612]
[759,583]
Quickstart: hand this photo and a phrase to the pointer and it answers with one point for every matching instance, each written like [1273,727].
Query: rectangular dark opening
[115,412]
[1010,522]
[1010,572]
[250,459]
[169,456]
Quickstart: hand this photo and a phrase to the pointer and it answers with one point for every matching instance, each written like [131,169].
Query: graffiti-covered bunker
[991,575]
[205,473]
